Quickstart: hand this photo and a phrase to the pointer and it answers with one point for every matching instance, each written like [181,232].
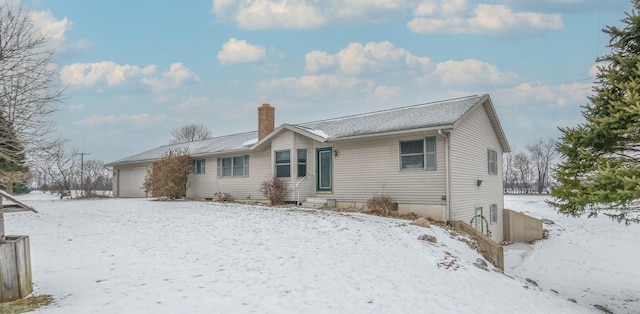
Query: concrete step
[316,200]
[313,205]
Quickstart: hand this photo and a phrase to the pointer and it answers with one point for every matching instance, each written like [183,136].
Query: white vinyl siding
[368,166]
[240,187]
[469,143]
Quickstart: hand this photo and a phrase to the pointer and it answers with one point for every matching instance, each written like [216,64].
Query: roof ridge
[387,110]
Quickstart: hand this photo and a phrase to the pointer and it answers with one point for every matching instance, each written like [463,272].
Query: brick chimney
[266,123]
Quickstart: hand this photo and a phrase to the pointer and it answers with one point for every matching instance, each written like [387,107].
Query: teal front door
[324,169]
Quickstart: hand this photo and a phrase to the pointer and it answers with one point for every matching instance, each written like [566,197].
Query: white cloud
[131,119]
[456,17]
[90,74]
[314,85]
[357,58]
[269,14]
[177,76]
[305,14]
[384,93]
[561,95]
[55,31]
[470,71]
[194,103]
[237,51]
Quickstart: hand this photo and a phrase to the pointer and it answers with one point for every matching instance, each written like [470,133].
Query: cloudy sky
[135,70]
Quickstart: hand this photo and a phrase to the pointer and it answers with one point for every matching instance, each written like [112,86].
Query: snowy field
[143,256]
[591,260]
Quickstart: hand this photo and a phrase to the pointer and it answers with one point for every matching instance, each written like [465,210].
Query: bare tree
[522,167]
[97,179]
[507,171]
[189,133]
[29,89]
[59,166]
[542,155]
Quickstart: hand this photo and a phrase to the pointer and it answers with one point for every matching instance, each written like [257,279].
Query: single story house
[441,160]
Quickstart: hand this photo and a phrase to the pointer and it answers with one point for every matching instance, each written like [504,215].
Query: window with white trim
[419,154]
[492,159]
[302,163]
[283,163]
[237,166]
[493,211]
[198,166]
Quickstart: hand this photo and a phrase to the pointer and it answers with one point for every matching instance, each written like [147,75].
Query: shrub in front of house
[381,204]
[168,177]
[274,189]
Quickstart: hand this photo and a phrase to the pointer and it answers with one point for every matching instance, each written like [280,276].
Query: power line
[82,170]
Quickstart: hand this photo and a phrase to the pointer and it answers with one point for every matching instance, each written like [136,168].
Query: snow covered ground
[591,260]
[143,256]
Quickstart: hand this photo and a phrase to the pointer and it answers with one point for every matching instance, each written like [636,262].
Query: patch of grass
[27,304]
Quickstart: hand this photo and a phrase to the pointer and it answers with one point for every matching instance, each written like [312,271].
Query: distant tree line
[529,170]
[66,174]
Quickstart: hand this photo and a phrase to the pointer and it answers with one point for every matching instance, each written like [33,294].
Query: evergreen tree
[600,168]
[13,169]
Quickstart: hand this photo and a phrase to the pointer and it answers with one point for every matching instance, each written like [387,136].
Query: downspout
[447,176]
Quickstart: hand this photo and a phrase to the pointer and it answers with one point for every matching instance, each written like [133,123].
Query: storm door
[324,169]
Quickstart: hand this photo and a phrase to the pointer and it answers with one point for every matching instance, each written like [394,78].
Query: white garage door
[131,182]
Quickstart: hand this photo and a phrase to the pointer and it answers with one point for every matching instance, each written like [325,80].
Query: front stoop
[317,202]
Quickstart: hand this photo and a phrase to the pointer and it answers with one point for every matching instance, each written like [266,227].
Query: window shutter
[246,165]
[489,161]
[431,153]
[219,172]
[204,166]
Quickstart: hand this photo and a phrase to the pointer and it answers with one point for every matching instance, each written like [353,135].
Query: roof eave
[389,133]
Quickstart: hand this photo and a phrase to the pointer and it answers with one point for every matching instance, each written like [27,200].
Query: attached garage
[130,182]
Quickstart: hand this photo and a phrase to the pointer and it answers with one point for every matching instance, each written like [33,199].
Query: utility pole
[82,171]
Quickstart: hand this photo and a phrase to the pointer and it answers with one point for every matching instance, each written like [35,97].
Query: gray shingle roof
[426,115]
[405,118]
[214,145]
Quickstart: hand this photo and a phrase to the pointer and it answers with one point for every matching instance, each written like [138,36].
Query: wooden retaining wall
[15,269]
[494,251]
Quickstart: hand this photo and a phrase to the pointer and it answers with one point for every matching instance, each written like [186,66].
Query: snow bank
[594,261]
[143,256]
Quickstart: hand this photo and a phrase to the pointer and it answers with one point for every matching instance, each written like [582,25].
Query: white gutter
[447,170]
[438,128]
